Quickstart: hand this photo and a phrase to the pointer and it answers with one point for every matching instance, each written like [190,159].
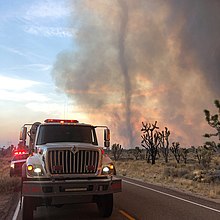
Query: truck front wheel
[105,205]
[28,208]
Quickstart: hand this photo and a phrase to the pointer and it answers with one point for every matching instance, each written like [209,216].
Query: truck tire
[28,208]
[105,205]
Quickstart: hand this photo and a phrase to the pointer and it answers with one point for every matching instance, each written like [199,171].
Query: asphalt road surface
[139,201]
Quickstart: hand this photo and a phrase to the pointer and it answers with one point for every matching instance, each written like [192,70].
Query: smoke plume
[143,60]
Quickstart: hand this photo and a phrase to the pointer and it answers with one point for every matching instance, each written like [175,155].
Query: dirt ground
[9,189]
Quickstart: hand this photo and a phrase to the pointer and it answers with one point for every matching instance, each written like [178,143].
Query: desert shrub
[204,156]
[216,163]
[116,151]
[137,153]
[175,172]
[189,176]
[182,172]
[170,172]
[206,160]
[9,184]
[202,176]
[172,164]
[166,172]
[123,172]
[213,176]
[192,167]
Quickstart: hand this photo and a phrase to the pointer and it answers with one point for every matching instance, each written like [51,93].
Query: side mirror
[23,133]
[107,138]
[33,130]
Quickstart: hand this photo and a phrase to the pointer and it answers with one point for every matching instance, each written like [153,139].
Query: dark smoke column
[124,67]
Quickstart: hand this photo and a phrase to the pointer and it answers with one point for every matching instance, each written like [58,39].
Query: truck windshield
[66,133]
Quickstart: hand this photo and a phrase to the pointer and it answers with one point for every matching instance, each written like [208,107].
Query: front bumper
[74,187]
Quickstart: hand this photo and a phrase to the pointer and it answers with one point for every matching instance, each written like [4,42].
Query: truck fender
[24,174]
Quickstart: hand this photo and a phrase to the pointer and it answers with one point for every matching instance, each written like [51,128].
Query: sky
[32,34]
[117,63]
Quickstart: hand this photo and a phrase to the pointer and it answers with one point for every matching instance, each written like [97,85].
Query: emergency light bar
[62,121]
[19,152]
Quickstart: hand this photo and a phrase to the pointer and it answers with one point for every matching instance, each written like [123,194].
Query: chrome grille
[68,162]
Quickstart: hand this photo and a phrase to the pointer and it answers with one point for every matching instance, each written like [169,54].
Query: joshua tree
[211,145]
[184,154]
[175,149]
[203,154]
[213,120]
[164,143]
[137,152]
[117,151]
[150,140]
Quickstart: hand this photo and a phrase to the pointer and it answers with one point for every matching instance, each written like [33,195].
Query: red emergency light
[61,121]
[19,152]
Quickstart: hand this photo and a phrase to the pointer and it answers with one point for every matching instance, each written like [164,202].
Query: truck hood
[68,144]
[65,145]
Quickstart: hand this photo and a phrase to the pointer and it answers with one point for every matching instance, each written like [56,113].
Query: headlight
[30,168]
[105,170]
[37,170]
[34,170]
[12,165]
[108,169]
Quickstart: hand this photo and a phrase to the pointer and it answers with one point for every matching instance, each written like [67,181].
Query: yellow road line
[126,215]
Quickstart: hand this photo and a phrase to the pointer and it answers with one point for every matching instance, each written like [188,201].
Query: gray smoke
[199,36]
[124,67]
[143,60]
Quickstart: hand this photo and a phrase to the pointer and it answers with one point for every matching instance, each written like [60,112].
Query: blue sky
[32,34]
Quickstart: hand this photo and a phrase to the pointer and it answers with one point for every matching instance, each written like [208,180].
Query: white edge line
[15,216]
[175,197]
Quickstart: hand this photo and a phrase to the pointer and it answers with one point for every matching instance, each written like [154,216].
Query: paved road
[145,201]
[140,201]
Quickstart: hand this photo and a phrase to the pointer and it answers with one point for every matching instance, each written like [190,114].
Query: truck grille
[69,162]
